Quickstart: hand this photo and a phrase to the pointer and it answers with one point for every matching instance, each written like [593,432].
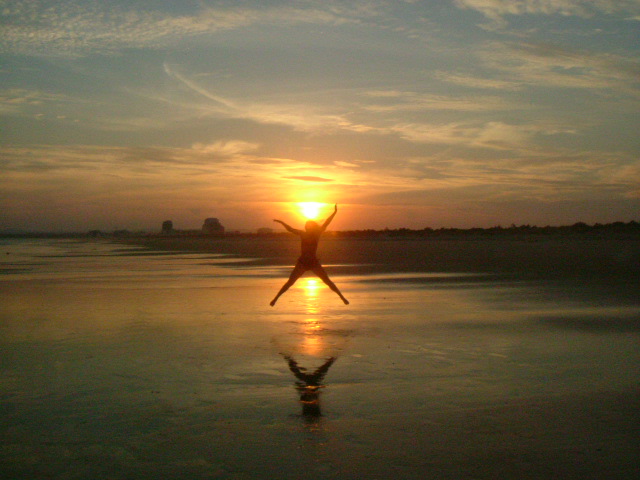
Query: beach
[456,358]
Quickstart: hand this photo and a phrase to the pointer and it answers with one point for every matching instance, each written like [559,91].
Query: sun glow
[311,287]
[310,210]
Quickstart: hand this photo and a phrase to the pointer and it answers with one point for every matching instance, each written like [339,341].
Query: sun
[310,210]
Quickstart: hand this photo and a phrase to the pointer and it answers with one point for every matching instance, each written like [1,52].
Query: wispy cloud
[494,135]
[498,9]
[477,82]
[310,179]
[226,148]
[78,27]
[393,101]
[538,64]
[221,103]
[16,100]
[301,116]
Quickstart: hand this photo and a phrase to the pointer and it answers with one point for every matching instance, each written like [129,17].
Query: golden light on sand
[310,210]
[311,286]
[313,342]
[312,345]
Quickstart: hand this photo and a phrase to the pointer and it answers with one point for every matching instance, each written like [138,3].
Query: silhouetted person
[309,238]
[309,385]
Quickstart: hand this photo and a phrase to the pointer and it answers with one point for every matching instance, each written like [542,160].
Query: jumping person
[309,238]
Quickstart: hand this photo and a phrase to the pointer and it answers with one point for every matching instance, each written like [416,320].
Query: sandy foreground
[453,361]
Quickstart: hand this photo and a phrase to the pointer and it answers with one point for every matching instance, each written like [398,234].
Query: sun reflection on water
[311,287]
[313,343]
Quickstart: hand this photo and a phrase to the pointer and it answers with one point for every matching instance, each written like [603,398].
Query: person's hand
[335,208]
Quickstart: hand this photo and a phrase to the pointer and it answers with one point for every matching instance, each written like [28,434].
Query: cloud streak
[498,9]
[310,179]
[19,100]
[557,66]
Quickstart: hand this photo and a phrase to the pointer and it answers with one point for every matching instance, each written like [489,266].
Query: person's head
[311,226]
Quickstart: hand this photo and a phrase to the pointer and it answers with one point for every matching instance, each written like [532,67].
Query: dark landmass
[581,228]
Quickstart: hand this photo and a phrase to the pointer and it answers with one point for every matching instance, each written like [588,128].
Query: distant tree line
[580,228]
[632,227]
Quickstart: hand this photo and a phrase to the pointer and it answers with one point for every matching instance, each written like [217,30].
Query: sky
[406,113]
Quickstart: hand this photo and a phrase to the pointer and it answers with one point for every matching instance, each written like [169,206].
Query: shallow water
[117,362]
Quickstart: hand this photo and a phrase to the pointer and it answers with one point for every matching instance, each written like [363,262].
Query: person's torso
[309,245]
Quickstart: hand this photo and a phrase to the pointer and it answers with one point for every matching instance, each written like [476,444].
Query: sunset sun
[310,210]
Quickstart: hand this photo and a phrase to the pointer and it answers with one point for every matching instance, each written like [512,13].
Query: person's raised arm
[328,220]
[288,227]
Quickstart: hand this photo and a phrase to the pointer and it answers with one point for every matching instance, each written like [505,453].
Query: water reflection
[308,349]
[311,287]
[312,342]
[308,386]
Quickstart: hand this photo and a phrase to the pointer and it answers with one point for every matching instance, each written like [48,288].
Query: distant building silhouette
[212,226]
[265,231]
[167,227]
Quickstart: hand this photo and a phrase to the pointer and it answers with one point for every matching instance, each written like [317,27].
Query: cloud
[549,65]
[394,101]
[463,182]
[388,112]
[495,135]
[76,27]
[310,179]
[222,103]
[226,148]
[136,184]
[235,161]
[15,100]
[498,9]
[133,185]
[301,116]
[478,82]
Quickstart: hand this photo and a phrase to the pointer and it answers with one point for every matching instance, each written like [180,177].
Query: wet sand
[127,363]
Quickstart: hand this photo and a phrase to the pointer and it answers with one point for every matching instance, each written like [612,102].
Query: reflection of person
[309,238]
[309,385]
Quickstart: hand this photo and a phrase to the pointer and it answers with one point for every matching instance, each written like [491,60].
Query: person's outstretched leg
[319,271]
[295,275]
